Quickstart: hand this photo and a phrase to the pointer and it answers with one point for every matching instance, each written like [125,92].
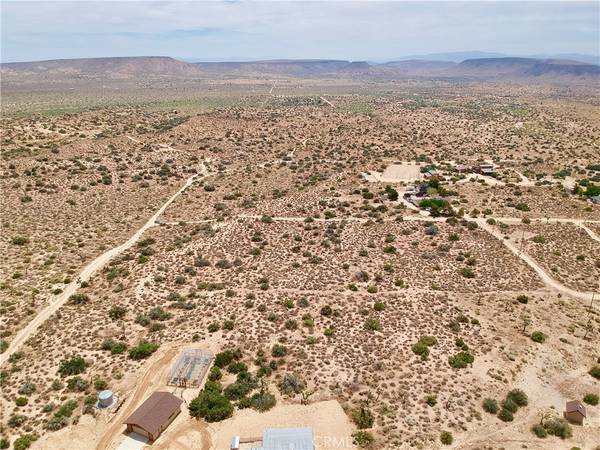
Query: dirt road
[30,329]
[327,101]
[546,279]
[544,276]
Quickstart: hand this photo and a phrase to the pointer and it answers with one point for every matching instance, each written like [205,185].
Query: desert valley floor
[273,222]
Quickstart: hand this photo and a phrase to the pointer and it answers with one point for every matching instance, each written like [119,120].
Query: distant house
[282,439]
[575,412]
[154,415]
[487,169]
[410,190]
[430,173]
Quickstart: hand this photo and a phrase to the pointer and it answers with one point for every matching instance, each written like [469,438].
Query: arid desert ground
[267,217]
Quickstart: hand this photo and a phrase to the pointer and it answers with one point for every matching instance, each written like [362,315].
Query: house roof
[154,412]
[576,406]
[287,438]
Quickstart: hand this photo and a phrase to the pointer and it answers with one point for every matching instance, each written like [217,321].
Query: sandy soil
[396,173]
[85,275]
[331,426]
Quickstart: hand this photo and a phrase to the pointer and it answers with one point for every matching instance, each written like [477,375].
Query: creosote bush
[446,438]
[490,405]
[591,399]
[73,366]
[362,438]
[538,336]
[143,350]
[363,418]
[461,360]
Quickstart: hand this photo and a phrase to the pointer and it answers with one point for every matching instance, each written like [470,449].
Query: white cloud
[355,30]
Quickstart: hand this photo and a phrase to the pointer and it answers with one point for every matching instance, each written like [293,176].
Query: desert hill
[501,68]
[292,68]
[524,67]
[119,67]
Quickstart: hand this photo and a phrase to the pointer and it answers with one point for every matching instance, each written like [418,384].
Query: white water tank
[105,399]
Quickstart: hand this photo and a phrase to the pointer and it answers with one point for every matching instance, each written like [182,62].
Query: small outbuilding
[154,415]
[575,412]
[288,438]
[487,169]
[281,439]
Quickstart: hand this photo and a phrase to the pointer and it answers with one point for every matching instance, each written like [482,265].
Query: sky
[365,30]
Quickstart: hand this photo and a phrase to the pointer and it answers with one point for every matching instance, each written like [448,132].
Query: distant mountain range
[478,68]
[461,56]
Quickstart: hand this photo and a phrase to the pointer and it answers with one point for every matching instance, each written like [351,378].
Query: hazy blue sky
[341,30]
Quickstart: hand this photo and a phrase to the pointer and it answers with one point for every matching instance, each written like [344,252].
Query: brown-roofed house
[154,415]
[575,412]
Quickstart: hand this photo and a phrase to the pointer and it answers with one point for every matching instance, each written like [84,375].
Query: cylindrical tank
[105,399]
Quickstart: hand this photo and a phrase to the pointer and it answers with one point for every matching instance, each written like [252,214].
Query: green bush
[215,374]
[490,405]
[21,401]
[379,306]
[539,431]
[77,384]
[558,427]
[431,400]
[363,418]
[291,384]
[23,442]
[510,405]
[117,312]
[16,420]
[262,401]
[362,438]
[100,385]
[278,351]
[467,272]
[505,415]
[373,324]
[56,423]
[213,386]
[538,336]
[237,367]
[79,298]
[591,399]
[428,340]
[446,438]
[211,406]
[67,408]
[159,314]
[595,372]
[421,349]
[143,350]
[73,366]
[20,240]
[461,360]
[236,391]
[224,358]
[518,396]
